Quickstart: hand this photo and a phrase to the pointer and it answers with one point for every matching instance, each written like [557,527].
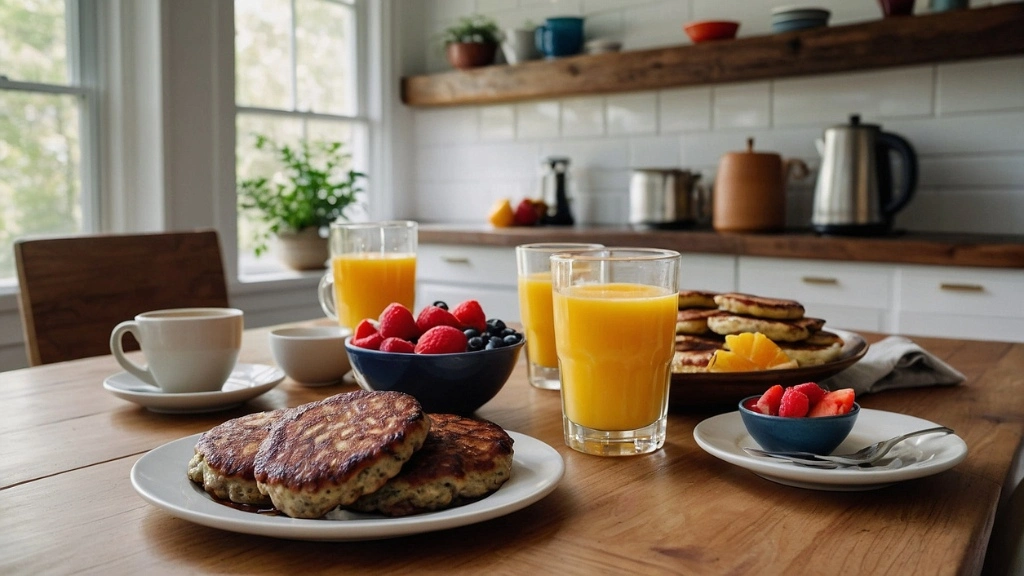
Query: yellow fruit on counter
[502,215]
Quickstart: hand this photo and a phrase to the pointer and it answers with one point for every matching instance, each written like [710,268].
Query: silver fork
[867,455]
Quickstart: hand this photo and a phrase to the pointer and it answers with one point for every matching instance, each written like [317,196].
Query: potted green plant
[472,41]
[311,189]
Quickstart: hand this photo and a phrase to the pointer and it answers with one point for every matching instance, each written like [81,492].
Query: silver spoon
[867,455]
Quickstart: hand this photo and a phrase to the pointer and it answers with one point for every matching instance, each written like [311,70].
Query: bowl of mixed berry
[804,417]
[452,360]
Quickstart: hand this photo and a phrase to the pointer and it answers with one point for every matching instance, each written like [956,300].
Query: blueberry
[495,325]
[506,332]
[512,339]
[475,343]
[441,304]
[494,342]
[471,332]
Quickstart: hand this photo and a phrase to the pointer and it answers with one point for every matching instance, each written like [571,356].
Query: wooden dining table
[67,448]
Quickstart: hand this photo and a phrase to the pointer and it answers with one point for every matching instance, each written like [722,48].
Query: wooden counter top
[993,251]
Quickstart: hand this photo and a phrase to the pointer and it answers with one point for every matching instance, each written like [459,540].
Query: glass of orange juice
[372,265]
[615,317]
[533,263]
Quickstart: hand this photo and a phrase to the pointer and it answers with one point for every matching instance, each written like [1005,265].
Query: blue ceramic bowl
[819,435]
[443,383]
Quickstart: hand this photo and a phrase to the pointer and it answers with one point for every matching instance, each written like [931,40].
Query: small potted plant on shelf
[312,188]
[472,42]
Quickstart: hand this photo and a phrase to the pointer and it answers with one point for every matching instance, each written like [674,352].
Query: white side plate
[246,382]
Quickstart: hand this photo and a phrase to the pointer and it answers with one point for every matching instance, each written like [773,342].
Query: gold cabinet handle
[961,287]
[819,280]
[455,259]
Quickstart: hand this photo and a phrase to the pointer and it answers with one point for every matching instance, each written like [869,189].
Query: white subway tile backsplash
[684,109]
[654,152]
[604,153]
[441,163]
[595,178]
[996,84]
[746,105]
[634,113]
[832,98]
[965,134]
[964,210]
[655,24]
[608,25]
[537,120]
[583,117]
[972,172]
[497,123]
[601,207]
[446,125]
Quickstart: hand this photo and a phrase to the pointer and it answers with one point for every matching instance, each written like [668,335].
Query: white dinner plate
[724,436]
[246,382]
[160,478]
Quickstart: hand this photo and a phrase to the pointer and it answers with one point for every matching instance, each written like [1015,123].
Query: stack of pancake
[705,318]
[364,451]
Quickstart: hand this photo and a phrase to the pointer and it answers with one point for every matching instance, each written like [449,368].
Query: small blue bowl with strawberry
[805,418]
[451,361]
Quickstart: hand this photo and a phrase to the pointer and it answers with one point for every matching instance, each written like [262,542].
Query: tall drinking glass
[615,314]
[372,265]
[533,263]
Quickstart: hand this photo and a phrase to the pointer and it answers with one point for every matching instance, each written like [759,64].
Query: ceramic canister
[750,191]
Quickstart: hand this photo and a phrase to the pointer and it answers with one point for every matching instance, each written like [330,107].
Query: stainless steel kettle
[855,191]
[666,198]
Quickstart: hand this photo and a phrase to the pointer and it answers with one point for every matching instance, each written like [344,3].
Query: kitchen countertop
[941,249]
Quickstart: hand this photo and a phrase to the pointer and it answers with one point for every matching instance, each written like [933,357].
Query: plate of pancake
[354,466]
[705,318]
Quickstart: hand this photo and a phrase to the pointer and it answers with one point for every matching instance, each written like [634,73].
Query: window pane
[263,55]
[40,176]
[324,39]
[33,41]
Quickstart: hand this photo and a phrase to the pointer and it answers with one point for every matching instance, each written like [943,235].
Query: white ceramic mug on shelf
[186,349]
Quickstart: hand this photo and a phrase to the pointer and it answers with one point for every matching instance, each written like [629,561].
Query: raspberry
[371,342]
[471,315]
[441,340]
[432,316]
[396,321]
[364,329]
[813,392]
[794,404]
[394,344]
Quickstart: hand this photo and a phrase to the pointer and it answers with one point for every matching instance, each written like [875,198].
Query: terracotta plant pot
[465,55]
[303,250]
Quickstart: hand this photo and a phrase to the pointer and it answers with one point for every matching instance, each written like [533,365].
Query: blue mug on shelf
[561,36]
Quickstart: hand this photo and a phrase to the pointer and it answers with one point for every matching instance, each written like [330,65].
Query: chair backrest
[74,290]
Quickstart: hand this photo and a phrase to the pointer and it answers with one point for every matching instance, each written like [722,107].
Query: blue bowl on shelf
[819,435]
[443,383]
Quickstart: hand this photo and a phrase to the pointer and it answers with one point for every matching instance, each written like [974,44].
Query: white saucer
[246,382]
[724,437]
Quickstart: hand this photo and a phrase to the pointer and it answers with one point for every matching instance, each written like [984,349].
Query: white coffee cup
[187,349]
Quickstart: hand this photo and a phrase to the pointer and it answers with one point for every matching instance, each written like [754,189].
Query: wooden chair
[74,290]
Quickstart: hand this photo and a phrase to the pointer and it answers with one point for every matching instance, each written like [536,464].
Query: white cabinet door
[850,295]
[712,272]
[454,273]
[961,302]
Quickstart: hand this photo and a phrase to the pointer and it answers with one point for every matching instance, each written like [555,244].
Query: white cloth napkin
[895,362]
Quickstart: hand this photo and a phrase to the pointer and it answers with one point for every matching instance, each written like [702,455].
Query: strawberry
[394,344]
[813,392]
[525,214]
[471,315]
[834,403]
[364,329]
[769,402]
[794,404]
[441,340]
[396,321]
[371,342]
[432,316]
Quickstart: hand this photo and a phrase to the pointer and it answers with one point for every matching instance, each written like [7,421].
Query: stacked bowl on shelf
[789,18]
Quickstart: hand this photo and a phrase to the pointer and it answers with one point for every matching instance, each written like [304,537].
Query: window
[296,78]
[46,114]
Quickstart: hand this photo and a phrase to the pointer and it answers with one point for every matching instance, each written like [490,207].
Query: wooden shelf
[901,41]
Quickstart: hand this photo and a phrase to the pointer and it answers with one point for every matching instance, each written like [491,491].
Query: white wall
[965,119]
